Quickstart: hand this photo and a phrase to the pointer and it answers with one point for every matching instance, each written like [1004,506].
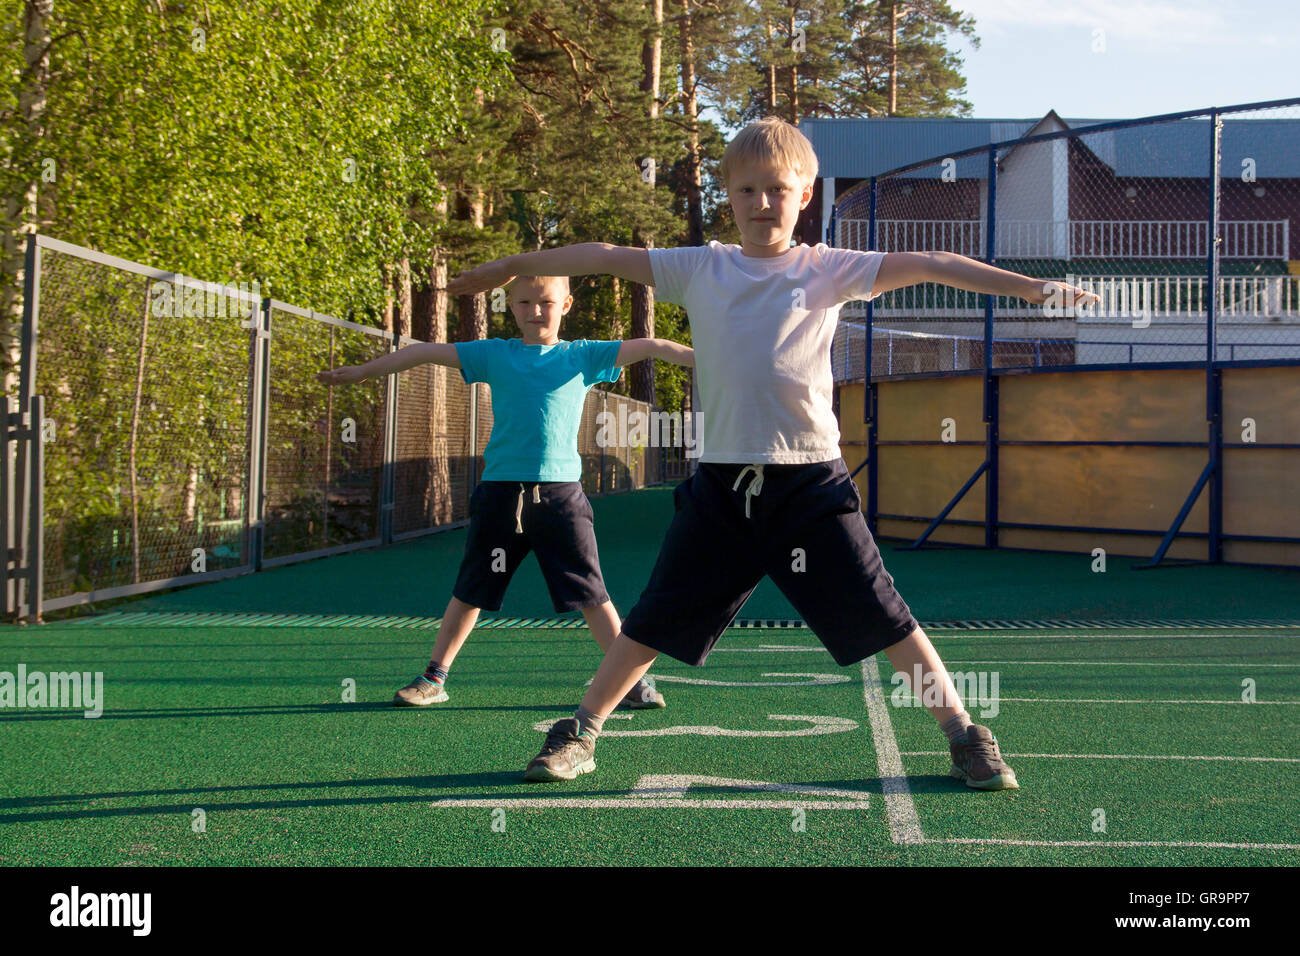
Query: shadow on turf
[431,787]
[424,784]
[269,710]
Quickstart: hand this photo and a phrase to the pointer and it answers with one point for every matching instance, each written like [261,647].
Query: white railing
[1074,238]
[1122,296]
[895,351]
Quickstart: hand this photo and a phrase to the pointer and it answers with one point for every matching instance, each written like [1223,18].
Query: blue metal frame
[1069,369]
[1086,130]
[1091,529]
[868,413]
[873,457]
[1211,475]
[990,380]
[970,482]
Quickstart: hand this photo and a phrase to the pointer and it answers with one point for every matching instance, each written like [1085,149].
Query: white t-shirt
[762,331]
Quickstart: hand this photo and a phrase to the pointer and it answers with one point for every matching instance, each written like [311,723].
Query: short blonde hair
[771,140]
[543,282]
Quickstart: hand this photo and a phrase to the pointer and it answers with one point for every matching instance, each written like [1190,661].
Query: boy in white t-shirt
[771,477]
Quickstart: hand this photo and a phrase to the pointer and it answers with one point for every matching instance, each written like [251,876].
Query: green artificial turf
[250,726]
[246,720]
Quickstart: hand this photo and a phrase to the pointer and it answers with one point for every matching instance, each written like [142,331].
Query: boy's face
[766,199]
[538,307]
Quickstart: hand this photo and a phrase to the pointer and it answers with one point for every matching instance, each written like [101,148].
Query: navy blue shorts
[805,530]
[507,519]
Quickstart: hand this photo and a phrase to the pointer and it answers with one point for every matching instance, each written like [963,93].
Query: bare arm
[636,350]
[585,258]
[899,269]
[422,353]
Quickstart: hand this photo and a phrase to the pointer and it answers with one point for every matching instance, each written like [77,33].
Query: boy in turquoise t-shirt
[530,496]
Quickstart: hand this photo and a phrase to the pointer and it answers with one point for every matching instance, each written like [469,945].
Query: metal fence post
[7,505]
[388,482]
[872,399]
[867,411]
[472,470]
[261,387]
[22,416]
[990,385]
[1213,392]
[36,519]
[604,410]
[252,433]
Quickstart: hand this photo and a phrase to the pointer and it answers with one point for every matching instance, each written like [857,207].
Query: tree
[901,64]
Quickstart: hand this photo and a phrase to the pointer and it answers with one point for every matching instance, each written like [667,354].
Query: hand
[1064,296]
[484,278]
[341,376]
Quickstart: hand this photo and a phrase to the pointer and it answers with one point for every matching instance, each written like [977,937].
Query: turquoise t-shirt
[538,393]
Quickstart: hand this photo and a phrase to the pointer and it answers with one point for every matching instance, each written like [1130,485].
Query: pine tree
[901,64]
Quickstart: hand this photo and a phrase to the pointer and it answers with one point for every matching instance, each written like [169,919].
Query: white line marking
[908,701]
[677,785]
[904,824]
[817,680]
[820,725]
[669,793]
[1128,663]
[1094,635]
[944,753]
[772,649]
[1121,843]
[670,803]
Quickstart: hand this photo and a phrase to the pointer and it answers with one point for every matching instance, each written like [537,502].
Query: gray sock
[955,727]
[588,723]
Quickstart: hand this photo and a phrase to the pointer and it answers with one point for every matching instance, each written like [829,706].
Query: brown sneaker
[978,761]
[420,693]
[566,753]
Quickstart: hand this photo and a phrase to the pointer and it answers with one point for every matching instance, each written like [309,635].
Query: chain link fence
[1126,210]
[166,431]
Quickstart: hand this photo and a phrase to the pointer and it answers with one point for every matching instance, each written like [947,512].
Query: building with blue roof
[1122,211]
[1137,192]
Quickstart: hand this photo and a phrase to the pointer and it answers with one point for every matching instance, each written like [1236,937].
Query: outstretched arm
[636,350]
[899,269]
[437,353]
[585,258]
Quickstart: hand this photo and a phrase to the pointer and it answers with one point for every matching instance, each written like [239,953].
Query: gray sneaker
[566,753]
[978,761]
[420,693]
[643,696]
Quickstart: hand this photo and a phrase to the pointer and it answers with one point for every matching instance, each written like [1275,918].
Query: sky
[1115,59]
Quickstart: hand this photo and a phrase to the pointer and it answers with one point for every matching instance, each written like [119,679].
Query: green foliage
[308,145]
[236,141]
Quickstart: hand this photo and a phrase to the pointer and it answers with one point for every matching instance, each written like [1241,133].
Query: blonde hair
[771,139]
[542,282]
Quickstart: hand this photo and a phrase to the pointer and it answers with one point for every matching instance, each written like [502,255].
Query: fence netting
[147,414]
[163,414]
[1127,212]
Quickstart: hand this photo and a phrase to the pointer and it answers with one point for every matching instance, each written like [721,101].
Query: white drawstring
[755,486]
[519,506]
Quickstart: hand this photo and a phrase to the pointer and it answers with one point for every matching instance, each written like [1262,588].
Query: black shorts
[805,530]
[507,519]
